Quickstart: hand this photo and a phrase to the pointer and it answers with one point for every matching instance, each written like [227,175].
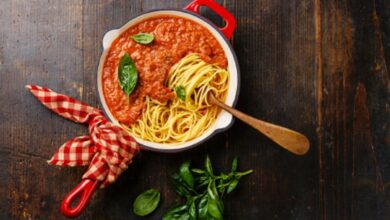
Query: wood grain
[353,109]
[317,66]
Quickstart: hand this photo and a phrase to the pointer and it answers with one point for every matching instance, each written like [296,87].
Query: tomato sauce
[175,37]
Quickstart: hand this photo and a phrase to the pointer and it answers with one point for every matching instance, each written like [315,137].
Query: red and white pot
[191,12]
[87,187]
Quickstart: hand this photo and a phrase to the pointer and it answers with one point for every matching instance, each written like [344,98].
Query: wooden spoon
[288,139]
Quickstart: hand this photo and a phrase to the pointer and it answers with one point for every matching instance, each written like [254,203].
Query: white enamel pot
[191,12]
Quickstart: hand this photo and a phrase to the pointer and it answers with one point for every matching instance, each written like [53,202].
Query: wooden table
[317,66]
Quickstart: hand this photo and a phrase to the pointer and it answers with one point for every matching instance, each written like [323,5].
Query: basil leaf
[212,190]
[208,165]
[127,74]
[176,213]
[192,209]
[232,185]
[181,92]
[180,187]
[234,165]
[146,202]
[213,209]
[186,175]
[202,208]
[143,38]
[198,171]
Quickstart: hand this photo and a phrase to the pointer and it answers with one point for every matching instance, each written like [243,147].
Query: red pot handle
[221,11]
[84,191]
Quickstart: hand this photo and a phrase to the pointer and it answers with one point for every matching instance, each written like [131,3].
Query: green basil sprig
[127,74]
[181,92]
[186,175]
[203,190]
[143,38]
[146,202]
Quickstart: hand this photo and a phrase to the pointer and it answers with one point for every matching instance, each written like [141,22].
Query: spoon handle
[288,139]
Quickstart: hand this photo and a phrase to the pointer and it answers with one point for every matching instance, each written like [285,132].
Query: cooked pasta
[183,118]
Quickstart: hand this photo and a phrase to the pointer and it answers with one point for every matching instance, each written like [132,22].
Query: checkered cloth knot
[108,150]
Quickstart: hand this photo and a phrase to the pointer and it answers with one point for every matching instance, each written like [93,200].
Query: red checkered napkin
[108,150]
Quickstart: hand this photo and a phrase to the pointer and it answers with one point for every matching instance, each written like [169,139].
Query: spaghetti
[183,118]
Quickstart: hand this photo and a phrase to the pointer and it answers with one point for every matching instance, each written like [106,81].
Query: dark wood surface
[317,66]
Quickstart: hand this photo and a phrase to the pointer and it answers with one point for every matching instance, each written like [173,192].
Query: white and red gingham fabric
[108,150]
